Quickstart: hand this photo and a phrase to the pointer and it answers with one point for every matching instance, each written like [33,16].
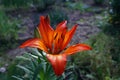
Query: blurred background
[98,25]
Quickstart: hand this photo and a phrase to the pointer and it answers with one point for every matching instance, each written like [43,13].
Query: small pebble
[2,69]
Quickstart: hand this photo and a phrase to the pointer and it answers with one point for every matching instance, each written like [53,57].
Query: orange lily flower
[54,43]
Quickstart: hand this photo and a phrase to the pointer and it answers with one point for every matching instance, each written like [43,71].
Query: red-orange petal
[46,31]
[68,36]
[58,63]
[59,35]
[47,19]
[61,26]
[76,48]
[36,43]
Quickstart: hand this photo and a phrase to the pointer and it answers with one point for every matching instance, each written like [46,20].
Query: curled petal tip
[77,48]
[87,47]
[65,21]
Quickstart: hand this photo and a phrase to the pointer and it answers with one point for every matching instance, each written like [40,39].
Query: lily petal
[47,19]
[58,63]
[54,42]
[36,43]
[46,31]
[61,26]
[59,35]
[68,36]
[76,48]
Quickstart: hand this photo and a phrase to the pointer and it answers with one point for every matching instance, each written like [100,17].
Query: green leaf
[36,72]
[36,33]
[24,68]
[18,78]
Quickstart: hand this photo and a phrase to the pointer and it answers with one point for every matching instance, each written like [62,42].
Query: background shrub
[8,31]
[42,4]
[16,3]
[113,28]
[99,63]
[39,4]
[57,16]
[31,66]
[98,2]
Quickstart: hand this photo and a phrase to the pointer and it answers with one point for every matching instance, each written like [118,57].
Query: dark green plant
[8,31]
[39,4]
[72,72]
[113,28]
[99,64]
[34,66]
[49,2]
[111,45]
[16,3]
[115,50]
[82,7]
[30,66]
[98,2]
[114,12]
[57,16]
[8,28]
[42,4]
[13,70]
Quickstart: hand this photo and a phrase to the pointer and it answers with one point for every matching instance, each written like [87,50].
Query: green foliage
[8,28]
[91,66]
[98,2]
[39,4]
[114,12]
[113,26]
[107,45]
[49,2]
[16,3]
[99,63]
[115,50]
[42,4]
[111,30]
[78,6]
[13,70]
[57,16]
[72,72]
[31,66]
[8,31]
[34,66]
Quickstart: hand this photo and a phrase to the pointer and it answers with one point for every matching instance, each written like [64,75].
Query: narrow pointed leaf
[37,33]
